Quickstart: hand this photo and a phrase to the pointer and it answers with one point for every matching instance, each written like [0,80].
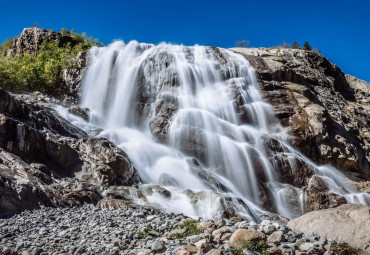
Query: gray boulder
[348,223]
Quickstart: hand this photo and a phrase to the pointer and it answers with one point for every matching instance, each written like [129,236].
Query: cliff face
[46,161]
[326,112]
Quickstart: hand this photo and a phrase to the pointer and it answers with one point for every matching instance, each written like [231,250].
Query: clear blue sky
[340,29]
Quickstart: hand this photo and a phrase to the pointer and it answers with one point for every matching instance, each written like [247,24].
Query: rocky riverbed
[139,230]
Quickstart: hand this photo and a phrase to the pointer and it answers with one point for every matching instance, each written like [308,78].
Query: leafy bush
[6,45]
[43,71]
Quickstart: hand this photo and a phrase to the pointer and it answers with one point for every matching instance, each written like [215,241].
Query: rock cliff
[326,112]
[46,161]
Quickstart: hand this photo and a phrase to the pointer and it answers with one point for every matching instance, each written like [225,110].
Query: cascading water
[192,120]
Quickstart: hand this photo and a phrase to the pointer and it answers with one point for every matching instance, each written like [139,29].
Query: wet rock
[105,164]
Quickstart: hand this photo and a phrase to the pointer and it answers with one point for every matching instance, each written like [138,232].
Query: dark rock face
[73,79]
[327,115]
[31,39]
[105,164]
[40,152]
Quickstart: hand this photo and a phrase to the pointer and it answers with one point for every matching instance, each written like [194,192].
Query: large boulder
[241,237]
[348,223]
[105,164]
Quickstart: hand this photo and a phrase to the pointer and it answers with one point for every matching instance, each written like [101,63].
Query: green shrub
[6,45]
[191,228]
[43,72]
[144,233]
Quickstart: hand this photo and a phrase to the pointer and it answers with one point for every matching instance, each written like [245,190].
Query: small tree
[307,46]
[64,31]
[295,45]
[242,44]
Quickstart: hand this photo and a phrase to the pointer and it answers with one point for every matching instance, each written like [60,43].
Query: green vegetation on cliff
[41,71]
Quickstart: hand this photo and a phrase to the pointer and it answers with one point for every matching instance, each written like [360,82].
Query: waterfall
[193,120]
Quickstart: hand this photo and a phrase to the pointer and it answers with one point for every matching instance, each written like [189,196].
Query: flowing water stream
[193,120]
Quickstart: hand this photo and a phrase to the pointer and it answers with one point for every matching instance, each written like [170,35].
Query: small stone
[151,217]
[250,252]
[157,246]
[276,237]
[205,225]
[62,233]
[305,246]
[214,252]
[37,251]
[219,222]
[189,248]
[193,239]
[269,229]
[203,245]
[178,231]
[218,233]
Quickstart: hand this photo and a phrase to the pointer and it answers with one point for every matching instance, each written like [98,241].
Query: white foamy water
[218,139]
